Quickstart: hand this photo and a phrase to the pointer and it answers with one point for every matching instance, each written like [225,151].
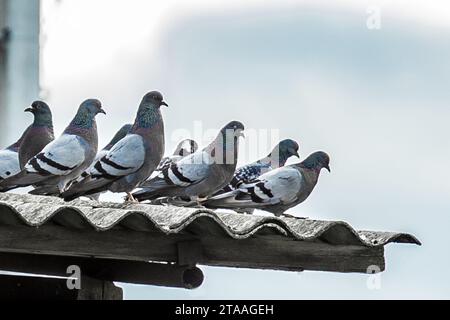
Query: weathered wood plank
[95,289]
[264,253]
[123,244]
[259,251]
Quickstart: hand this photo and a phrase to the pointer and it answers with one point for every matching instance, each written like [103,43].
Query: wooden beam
[259,251]
[291,255]
[39,288]
[158,274]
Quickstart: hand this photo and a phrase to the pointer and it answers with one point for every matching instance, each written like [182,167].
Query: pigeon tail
[46,190]
[232,203]
[21,179]
[87,186]
[152,190]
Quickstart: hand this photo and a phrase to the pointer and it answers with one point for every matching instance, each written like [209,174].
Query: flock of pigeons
[71,166]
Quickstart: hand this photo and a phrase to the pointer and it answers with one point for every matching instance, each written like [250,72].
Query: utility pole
[3,53]
[19,64]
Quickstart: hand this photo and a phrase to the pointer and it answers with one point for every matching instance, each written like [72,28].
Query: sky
[375,99]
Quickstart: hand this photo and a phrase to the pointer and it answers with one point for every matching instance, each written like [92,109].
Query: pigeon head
[118,136]
[38,107]
[284,150]
[85,117]
[149,112]
[186,147]
[318,160]
[154,99]
[42,114]
[225,146]
[289,148]
[236,128]
[92,107]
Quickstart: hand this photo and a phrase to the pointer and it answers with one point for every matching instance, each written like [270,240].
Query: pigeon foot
[287,215]
[129,198]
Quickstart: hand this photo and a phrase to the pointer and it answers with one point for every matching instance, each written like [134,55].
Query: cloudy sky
[376,100]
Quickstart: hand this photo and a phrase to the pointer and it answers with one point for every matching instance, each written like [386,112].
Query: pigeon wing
[60,157]
[248,174]
[125,157]
[188,171]
[57,159]
[276,186]
[9,163]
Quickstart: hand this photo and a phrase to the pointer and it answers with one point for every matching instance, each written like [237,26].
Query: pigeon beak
[30,109]
[328,168]
[163,103]
[102,111]
[294,152]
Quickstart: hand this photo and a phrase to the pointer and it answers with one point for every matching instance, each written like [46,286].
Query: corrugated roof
[37,210]
[142,232]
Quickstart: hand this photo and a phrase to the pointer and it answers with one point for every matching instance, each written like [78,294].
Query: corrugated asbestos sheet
[36,211]
[221,234]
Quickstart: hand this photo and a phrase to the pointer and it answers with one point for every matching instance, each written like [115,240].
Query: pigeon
[35,137]
[180,152]
[278,190]
[131,160]
[9,162]
[277,158]
[65,158]
[117,137]
[200,174]
[39,133]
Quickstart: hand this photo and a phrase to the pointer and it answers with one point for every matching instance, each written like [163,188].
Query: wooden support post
[190,252]
[95,289]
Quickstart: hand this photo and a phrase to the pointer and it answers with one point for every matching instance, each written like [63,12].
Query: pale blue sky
[375,100]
